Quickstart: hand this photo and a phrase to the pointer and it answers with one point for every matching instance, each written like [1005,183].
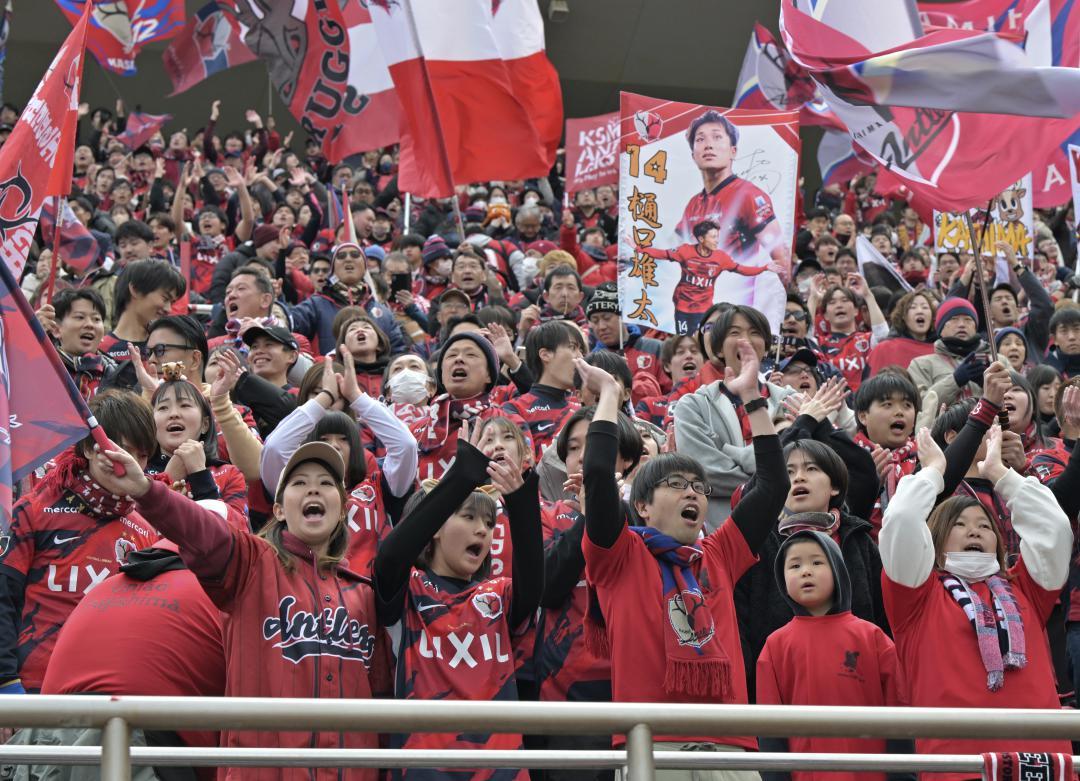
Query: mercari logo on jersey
[301,634]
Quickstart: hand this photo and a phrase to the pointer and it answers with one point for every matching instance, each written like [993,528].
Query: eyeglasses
[680,483]
[795,314]
[797,368]
[159,350]
[349,255]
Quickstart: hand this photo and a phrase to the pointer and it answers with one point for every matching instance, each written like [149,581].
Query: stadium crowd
[388,447]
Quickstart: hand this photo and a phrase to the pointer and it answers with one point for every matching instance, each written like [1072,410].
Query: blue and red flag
[335,212]
[41,411]
[120,29]
[141,127]
[78,248]
[209,43]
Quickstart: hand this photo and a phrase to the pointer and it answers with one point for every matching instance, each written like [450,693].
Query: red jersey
[159,637]
[55,553]
[545,409]
[368,522]
[454,643]
[847,354]
[293,632]
[830,660]
[940,663]
[741,209]
[206,252]
[694,293]
[436,431]
[628,583]
[565,667]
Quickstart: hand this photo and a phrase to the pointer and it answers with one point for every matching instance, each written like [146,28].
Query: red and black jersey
[206,253]
[54,554]
[368,523]
[117,348]
[741,209]
[653,409]
[219,480]
[846,354]
[453,642]
[436,431]
[1047,457]
[565,668]
[694,292]
[545,409]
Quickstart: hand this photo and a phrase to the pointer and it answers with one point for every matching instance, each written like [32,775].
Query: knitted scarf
[999,629]
[346,295]
[72,473]
[902,461]
[444,411]
[695,663]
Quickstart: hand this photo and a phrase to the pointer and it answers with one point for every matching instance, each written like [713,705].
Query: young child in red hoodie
[825,655]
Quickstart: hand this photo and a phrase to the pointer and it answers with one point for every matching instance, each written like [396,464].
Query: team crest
[862,345]
[364,492]
[644,361]
[648,125]
[488,604]
[122,548]
[691,619]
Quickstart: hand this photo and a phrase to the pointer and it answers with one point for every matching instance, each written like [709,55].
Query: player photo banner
[1011,221]
[706,210]
[592,152]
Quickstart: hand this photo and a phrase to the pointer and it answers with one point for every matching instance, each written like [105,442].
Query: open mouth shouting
[691,513]
[314,511]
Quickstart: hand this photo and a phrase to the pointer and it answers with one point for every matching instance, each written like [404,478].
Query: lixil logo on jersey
[332,633]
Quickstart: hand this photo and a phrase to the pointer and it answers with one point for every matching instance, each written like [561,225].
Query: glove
[970,370]
[15,687]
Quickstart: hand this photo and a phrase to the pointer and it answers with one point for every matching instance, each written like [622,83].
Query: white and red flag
[910,100]
[458,81]
[36,160]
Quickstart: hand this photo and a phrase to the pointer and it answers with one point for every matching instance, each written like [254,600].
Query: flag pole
[51,286]
[984,296]
[408,212]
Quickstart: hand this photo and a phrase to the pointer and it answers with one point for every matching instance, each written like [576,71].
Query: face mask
[972,565]
[496,199]
[443,267]
[409,386]
[531,200]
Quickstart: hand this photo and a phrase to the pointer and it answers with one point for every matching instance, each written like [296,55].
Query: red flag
[327,67]
[592,151]
[463,120]
[955,160]
[519,34]
[119,30]
[78,248]
[141,127]
[209,43]
[36,159]
[994,15]
[40,407]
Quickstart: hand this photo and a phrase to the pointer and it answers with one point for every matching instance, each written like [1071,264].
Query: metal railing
[117,716]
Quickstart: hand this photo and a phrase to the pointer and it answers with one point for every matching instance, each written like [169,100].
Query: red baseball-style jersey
[57,552]
[694,293]
[453,643]
[296,632]
[368,523]
[741,209]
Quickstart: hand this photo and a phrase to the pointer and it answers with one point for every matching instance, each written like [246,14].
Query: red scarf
[902,461]
[72,473]
[1013,766]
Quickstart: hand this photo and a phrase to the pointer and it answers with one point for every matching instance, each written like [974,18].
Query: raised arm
[399,551]
[245,449]
[757,512]
[521,495]
[402,456]
[907,550]
[603,509]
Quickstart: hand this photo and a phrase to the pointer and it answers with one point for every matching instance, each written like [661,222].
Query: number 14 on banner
[655,166]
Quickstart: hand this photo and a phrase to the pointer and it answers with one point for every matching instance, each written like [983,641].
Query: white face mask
[531,200]
[443,267]
[972,565]
[409,386]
